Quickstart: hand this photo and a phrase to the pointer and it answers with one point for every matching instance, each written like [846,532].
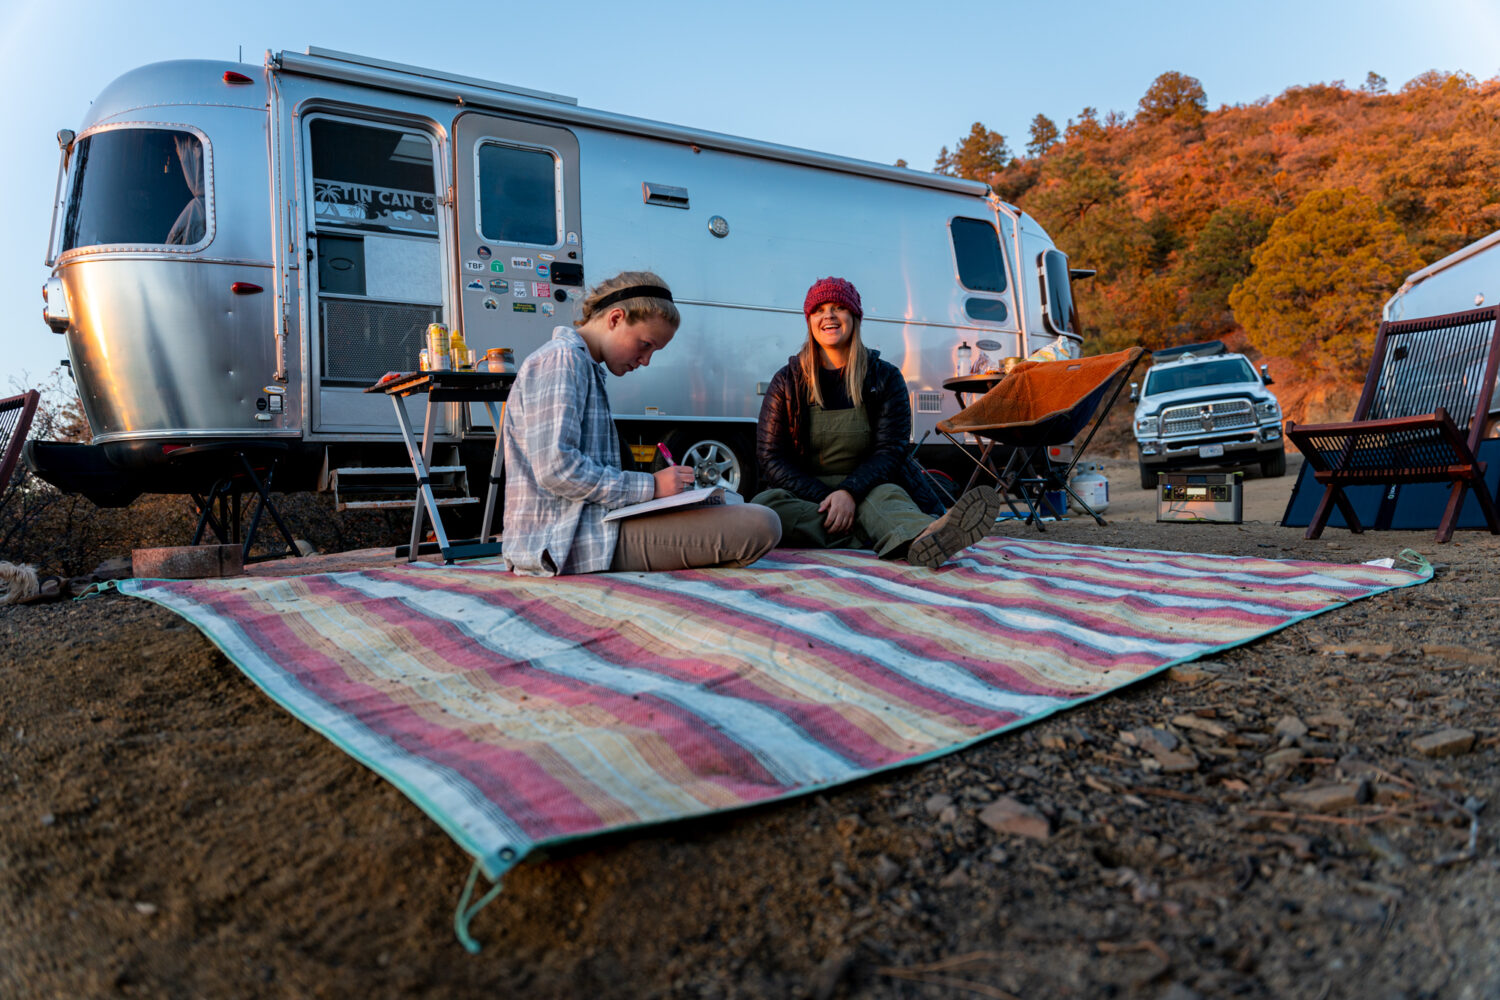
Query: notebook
[703,496]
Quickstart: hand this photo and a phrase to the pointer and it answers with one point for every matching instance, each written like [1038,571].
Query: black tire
[1274,466]
[1148,477]
[721,458]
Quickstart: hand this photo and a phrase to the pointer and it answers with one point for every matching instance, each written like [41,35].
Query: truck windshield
[136,186]
[1197,376]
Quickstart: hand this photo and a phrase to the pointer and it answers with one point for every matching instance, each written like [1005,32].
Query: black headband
[634,292]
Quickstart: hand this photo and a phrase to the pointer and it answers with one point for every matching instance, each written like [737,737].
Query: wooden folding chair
[1038,405]
[15,420]
[1425,404]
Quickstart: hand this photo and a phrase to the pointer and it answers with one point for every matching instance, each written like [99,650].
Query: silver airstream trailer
[239,251]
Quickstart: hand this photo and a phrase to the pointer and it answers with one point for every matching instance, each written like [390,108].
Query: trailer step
[402,504]
[391,470]
[376,487]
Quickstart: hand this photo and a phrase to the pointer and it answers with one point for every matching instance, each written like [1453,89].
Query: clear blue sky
[872,79]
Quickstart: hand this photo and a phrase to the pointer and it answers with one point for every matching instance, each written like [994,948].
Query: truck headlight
[1267,411]
[1146,426]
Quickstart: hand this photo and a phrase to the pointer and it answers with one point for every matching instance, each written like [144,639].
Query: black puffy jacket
[782,447]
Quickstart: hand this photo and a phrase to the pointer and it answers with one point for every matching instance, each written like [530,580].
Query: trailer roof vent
[664,194]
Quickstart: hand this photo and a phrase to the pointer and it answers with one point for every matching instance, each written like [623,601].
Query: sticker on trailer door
[475,286]
[541,289]
[572,239]
[523,307]
[545,256]
[542,270]
[519,289]
[496,266]
[474,265]
[521,263]
[499,285]
[548,309]
[483,253]
[491,304]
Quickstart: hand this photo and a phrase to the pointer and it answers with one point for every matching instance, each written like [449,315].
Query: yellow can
[437,347]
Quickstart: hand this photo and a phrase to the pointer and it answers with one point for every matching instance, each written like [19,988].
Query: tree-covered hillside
[1282,225]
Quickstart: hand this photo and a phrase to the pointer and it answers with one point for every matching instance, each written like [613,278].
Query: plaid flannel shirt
[562,464]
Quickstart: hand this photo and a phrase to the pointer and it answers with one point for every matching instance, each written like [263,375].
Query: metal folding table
[441,387]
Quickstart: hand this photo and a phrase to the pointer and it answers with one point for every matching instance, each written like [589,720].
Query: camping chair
[1423,410]
[1041,404]
[15,420]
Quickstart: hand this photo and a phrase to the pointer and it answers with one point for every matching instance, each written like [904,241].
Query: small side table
[489,388]
[963,386]
[978,385]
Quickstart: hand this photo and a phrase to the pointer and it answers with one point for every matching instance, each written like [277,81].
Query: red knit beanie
[832,290]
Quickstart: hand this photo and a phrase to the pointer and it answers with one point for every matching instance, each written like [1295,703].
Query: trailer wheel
[728,461]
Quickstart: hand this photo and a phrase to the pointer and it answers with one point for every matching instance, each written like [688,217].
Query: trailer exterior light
[55,305]
[236,79]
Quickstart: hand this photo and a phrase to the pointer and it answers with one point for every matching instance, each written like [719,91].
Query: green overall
[886,520]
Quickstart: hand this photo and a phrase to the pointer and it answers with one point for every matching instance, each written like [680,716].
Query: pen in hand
[685,476]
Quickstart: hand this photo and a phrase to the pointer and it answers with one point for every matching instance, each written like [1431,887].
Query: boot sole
[970,520]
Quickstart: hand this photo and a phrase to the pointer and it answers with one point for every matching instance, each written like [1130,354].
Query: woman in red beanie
[833,444]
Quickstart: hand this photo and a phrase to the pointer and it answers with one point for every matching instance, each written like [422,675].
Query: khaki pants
[886,520]
[730,535]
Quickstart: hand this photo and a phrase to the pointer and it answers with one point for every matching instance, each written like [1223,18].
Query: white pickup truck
[1202,407]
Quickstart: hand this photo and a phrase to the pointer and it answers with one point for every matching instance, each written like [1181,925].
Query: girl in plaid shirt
[562,455]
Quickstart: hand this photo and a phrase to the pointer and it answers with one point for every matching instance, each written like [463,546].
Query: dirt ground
[1276,821]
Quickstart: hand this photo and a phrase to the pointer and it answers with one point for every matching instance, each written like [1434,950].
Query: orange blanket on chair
[1040,399]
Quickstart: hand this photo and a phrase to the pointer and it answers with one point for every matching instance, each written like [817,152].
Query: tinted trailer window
[137,187]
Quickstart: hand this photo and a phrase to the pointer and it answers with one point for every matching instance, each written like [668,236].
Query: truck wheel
[1274,466]
[726,461]
[1148,477]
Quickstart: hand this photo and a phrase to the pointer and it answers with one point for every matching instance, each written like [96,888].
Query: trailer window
[986,310]
[518,195]
[1058,312]
[372,178]
[137,186]
[976,247]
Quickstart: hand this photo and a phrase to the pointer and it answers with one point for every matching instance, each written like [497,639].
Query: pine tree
[978,155]
[1044,135]
[1219,259]
[1319,279]
[1175,96]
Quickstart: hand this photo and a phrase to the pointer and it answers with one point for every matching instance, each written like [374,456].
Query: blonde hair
[636,309]
[810,359]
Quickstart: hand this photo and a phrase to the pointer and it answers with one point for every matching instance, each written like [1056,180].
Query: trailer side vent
[664,194]
[929,402]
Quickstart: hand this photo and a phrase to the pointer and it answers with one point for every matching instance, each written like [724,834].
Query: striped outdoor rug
[519,711]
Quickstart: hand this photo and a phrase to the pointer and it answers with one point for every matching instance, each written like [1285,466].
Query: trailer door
[376,276]
[520,244]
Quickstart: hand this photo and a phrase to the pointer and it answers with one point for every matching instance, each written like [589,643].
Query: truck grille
[1198,418]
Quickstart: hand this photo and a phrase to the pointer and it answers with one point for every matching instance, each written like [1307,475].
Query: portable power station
[1212,497]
